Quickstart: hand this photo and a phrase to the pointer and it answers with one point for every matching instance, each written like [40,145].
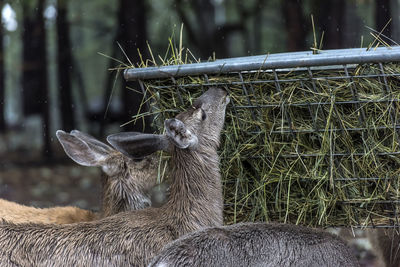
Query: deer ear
[79,151]
[92,142]
[180,135]
[138,145]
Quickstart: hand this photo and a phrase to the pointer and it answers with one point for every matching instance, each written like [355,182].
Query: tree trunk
[294,22]
[64,68]
[34,76]
[107,92]
[257,22]
[202,30]
[331,21]
[207,30]
[382,17]
[31,82]
[353,27]
[2,80]
[132,36]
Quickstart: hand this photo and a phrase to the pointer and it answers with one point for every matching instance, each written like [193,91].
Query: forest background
[57,56]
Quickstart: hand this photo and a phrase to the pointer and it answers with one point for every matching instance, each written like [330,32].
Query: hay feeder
[311,139]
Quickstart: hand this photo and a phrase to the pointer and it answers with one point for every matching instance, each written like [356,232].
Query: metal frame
[269,61]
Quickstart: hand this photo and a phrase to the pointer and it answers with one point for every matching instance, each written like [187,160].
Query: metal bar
[372,221]
[350,202]
[323,103]
[355,95]
[392,106]
[178,90]
[363,179]
[284,80]
[331,161]
[253,115]
[314,89]
[231,103]
[311,109]
[284,106]
[394,208]
[328,130]
[361,117]
[272,61]
[342,179]
[322,155]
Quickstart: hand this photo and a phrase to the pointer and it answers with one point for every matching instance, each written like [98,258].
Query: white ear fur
[92,142]
[80,152]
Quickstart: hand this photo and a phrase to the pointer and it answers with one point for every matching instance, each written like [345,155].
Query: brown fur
[126,182]
[133,238]
[128,189]
[256,244]
[17,213]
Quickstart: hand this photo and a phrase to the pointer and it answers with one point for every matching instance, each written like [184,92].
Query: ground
[27,179]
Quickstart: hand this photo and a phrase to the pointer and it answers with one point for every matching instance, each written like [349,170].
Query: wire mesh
[306,141]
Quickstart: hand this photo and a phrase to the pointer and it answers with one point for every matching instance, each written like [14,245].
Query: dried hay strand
[312,146]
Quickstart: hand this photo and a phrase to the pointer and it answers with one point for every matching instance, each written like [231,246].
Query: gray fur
[256,244]
[386,242]
[144,144]
[126,182]
[134,238]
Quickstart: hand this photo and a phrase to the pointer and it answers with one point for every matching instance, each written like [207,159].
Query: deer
[128,183]
[386,242]
[135,237]
[256,244]
[18,213]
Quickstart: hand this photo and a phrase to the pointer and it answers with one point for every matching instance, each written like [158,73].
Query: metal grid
[307,73]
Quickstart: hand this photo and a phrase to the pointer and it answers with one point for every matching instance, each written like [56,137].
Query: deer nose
[227,99]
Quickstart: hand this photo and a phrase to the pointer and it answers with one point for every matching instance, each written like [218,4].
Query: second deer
[127,183]
[135,237]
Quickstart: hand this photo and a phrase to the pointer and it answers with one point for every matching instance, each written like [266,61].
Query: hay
[318,152]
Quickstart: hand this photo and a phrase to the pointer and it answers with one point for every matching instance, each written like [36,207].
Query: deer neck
[196,191]
[119,196]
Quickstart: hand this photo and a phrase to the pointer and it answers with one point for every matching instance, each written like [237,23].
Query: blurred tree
[251,14]
[199,22]
[64,67]
[258,8]
[292,11]
[330,19]
[2,80]
[382,17]
[353,27]
[131,35]
[31,82]
[34,67]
